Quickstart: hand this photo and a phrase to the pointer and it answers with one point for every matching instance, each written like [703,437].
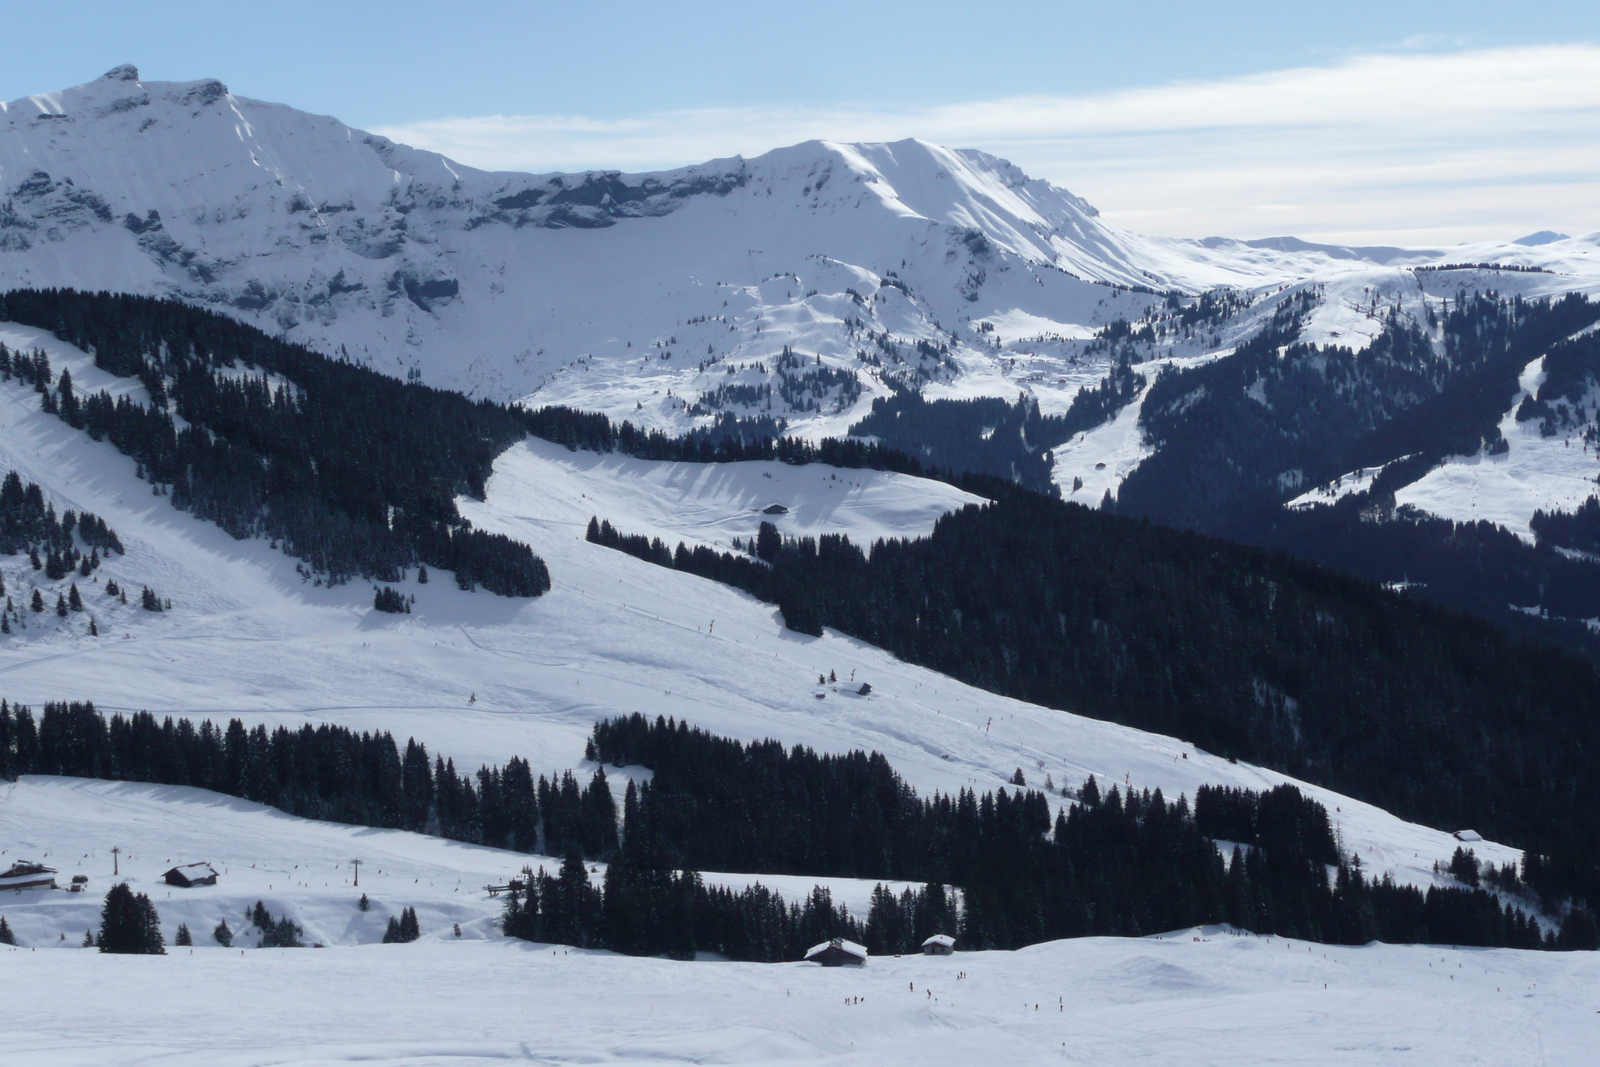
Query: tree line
[349,470]
[318,772]
[29,523]
[1430,714]
[1119,863]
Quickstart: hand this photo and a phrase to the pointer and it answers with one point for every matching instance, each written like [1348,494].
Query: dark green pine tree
[182,939]
[223,934]
[74,600]
[129,924]
[38,602]
[410,929]
[6,936]
[61,605]
[599,815]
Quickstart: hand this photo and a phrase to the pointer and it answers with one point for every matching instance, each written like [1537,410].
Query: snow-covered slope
[1535,472]
[639,295]
[1202,996]
[483,678]
[296,867]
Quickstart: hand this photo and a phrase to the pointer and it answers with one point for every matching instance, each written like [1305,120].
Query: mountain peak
[127,72]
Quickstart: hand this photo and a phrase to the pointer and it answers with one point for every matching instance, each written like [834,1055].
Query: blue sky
[546,86]
[376,64]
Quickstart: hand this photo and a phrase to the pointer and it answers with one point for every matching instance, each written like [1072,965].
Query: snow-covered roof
[838,942]
[24,867]
[195,870]
[1468,835]
[940,939]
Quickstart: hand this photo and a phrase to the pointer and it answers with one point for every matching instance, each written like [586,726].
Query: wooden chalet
[838,953]
[939,945]
[190,875]
[25,875]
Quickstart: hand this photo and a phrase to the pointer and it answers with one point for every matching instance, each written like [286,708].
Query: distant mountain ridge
[833,287]
[488,282]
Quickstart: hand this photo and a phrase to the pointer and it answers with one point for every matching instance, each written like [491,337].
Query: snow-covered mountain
[661,298]
[664,298]
[482,678]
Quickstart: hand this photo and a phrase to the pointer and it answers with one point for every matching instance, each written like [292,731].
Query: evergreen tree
[38,602]
[129,924]
[182,938]
[275,933]
[364,904]
[6,936]
[223,934]
[74,600]
[403,930]
[388,599]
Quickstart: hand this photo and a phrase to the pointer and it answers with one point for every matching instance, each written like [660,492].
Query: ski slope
[481,678]
[1207,995]
[1191,997]
[296,867]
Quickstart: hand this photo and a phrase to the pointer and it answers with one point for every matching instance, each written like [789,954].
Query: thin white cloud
[1417,148]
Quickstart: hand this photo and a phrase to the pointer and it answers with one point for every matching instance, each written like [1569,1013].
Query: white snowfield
[1203,996]
[1536,472]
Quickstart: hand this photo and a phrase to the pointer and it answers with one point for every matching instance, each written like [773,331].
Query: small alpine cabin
[190,875]
[25,875]
[939,945]
[837,953]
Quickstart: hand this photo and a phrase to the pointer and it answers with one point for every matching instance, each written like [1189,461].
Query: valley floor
[1194,997]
